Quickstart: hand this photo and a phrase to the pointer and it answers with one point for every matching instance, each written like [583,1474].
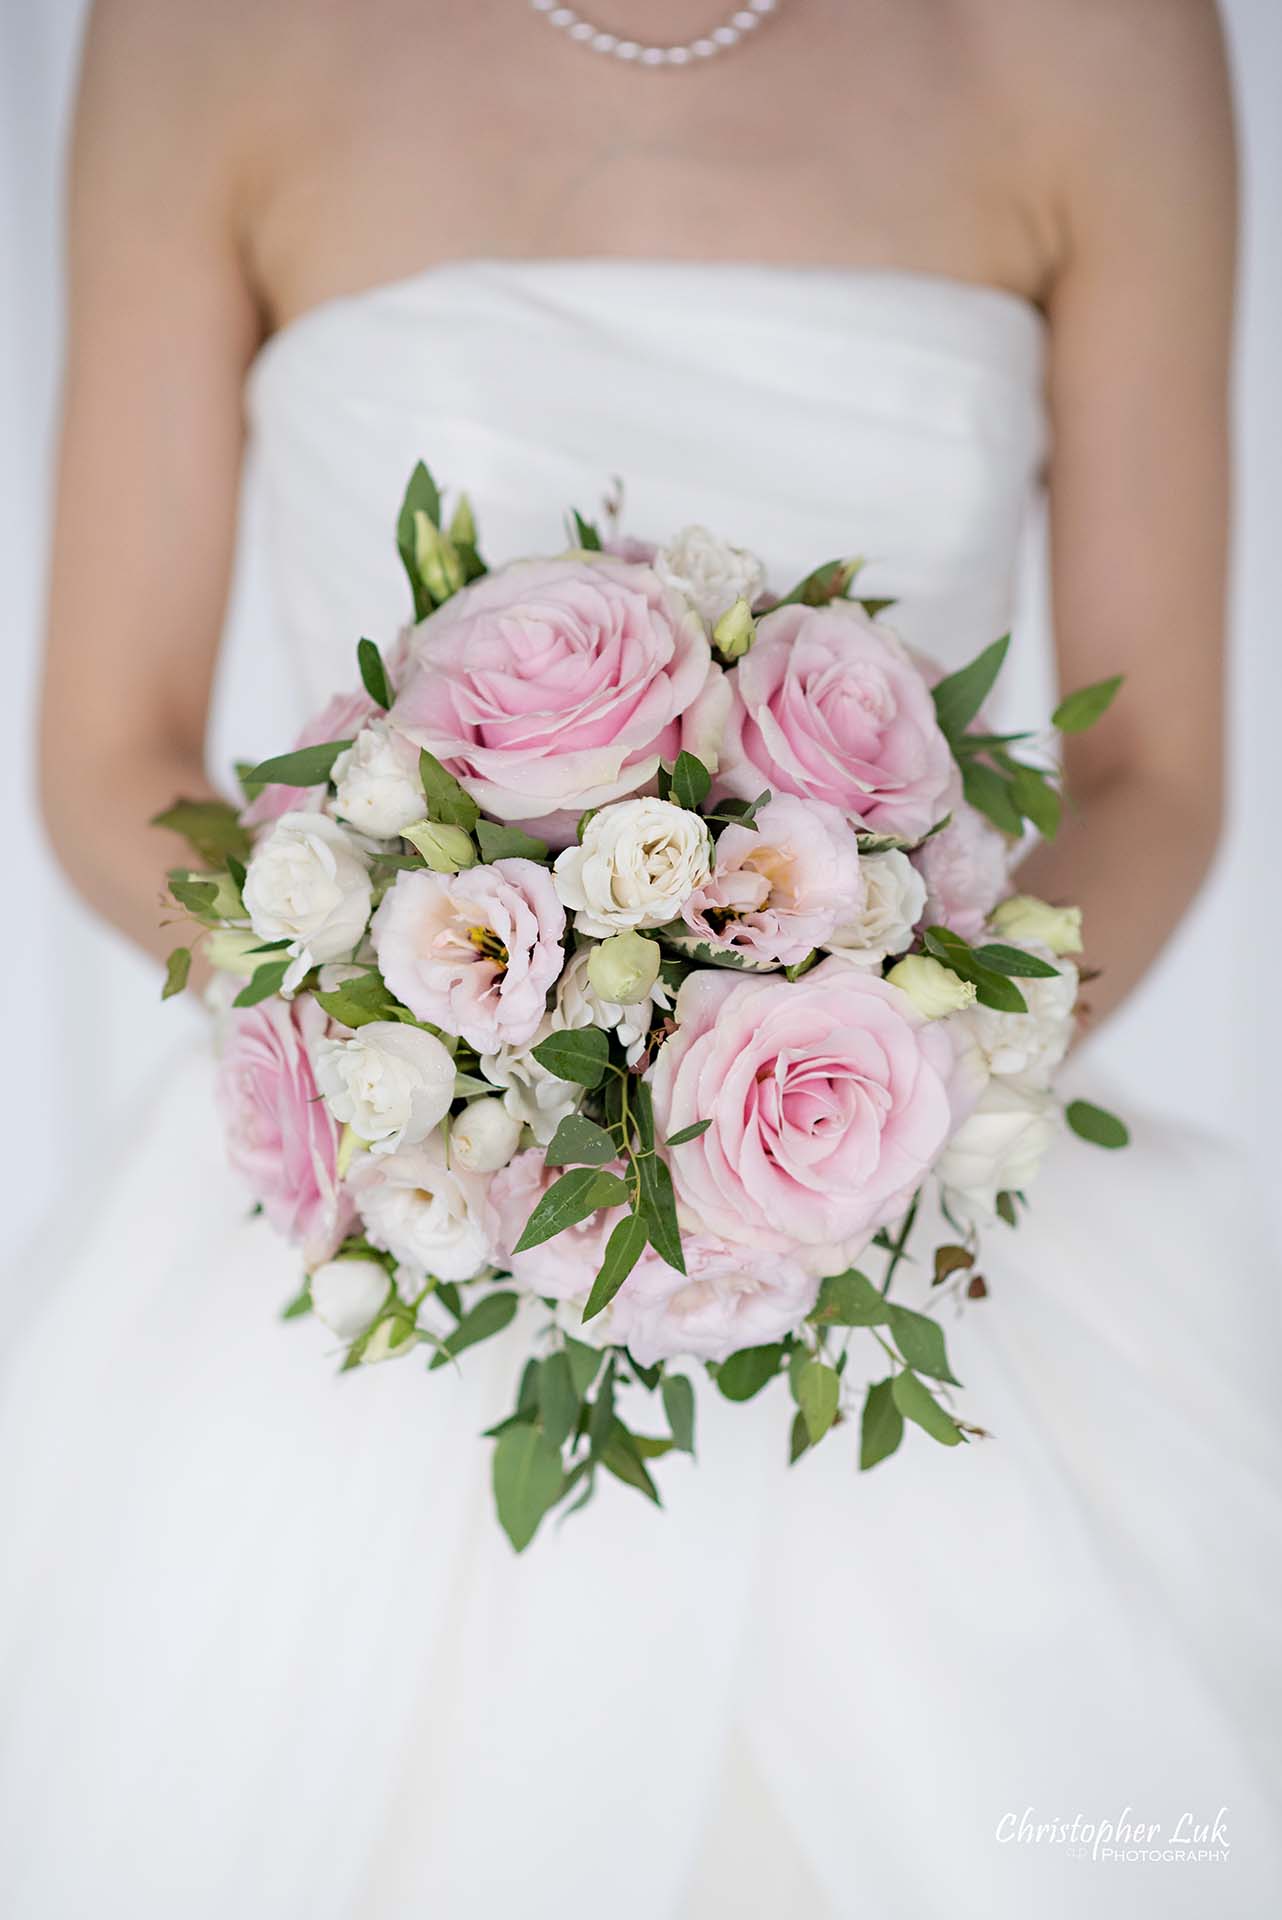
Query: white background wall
[83,1033]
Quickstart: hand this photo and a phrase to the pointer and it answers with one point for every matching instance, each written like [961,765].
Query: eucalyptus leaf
[917,1403]
[678,1406]
[177,968]
[623,1249]
[849,1300]
[882,1426]
[447,802]
[583,533]
[527,1481]
[266,981]
[1037,799]
[921,1342]
[798,1439]
[691,1132]
[568,1200]
[959,697]
[558,1401]
[492,1312]
[691,782]
[575,1053]
[210,827]
[197,896]
[585,1364]
[658,1206]
[508,843]
[580,1142]
[818,1396]
[373,673]
[304,767]
[620,1457]
[991,794]
[1096,1124]
[1083,708]
[745,1373]
[996,957]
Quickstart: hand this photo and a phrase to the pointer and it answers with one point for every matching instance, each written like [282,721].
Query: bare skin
[235,166]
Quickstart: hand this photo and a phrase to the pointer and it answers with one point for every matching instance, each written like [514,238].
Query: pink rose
[828,1099]
[829,705]
[473,952]
[781,887]
[557,685]
[339,719]
[967,871]
[280,1134]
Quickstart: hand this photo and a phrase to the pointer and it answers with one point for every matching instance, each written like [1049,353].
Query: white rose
[894,901]
[308,883]
[639,862]
[934,989]
[231,950]
[1024,917]
[998,1148]
[709,573]
[391,1084]
[578,1004]
[377,781]
[1029,1046]
[484,1137]
[427,1215]
[348,1295]
[533,1096]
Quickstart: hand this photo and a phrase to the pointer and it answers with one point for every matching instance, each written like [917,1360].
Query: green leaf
[798,1440]
[690,782]
[210,827]
[921,1342]
[849,1300]
[177,967]
[1036,798]
[508,843]
[197,896]
[873,607]
[304,767]
[619,1457]
[421,496]
[658,1206]
[996,957]
[959,697]
[527,1481]
[678,1406]
[373,673]
[687,1133]
[601,1413]
[300,1304]
[447,803]
[568,1200]
[1005,1205]
[492,1312]
[745,1373]
[359,1001]
[1096,1124]
[991,794]
[622,1251]
[265,982]
[580,1142]
[994,989]
[583,533]
[1083,708]
[917,1403]
[818,1396]
[831,581]
[882,1427]
[575,1053]
[558,1401]
[585,1364]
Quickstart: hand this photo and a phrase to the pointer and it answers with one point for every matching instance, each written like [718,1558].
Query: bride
[263,1650]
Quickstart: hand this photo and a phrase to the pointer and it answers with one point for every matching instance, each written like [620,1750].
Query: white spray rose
[391,1084]
[533,1096]
[893,903]
[426,1214]
[484,1137]
[1025,918]
[348,1295]
[307,883]
[711,574]
[998,1148]
[377,781]
[578,1004]
[934,989]
[639,862]
[1029,1046]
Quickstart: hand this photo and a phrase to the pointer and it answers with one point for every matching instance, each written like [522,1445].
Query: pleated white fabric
[262,1647]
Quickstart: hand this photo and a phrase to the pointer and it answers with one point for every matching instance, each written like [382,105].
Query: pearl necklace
[718,40]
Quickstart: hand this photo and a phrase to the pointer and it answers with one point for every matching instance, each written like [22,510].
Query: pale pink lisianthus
[780,887]
[474,952]
[828,1097]
[562,1268]
[966,868]
[339,719]
[552,686]
[280,1134]
[829,705]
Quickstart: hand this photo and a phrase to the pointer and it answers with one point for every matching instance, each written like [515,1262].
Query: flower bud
[463,523]
[348,1295]
[735,631]
[391,1339]
[934,989]
[624,968]
[437,559]
[1025,918]
[231,950]
[484,1137]
[445,849]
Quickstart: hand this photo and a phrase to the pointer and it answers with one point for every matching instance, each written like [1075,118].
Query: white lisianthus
[638,864]
[377,781]
[998,1148]
[533,1096]
[308,883]
[1029,1046]
[348,1295]
[934,989]
[484,1137]
[1025,918]
[624,968]
[711,574]
[391,1084]
[391,1340]
[578,1004]
[893,903]
[426,1214]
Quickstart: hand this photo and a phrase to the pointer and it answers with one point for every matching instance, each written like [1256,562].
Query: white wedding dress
[264,1651]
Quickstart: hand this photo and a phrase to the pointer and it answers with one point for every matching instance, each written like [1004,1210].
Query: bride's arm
[1141,315]
[162,325]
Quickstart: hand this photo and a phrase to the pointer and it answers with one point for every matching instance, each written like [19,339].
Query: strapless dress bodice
[806,413]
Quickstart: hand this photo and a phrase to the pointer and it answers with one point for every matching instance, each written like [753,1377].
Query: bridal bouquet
[630,952]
